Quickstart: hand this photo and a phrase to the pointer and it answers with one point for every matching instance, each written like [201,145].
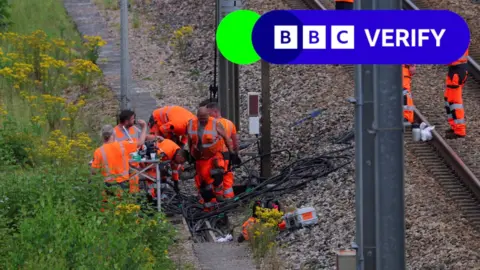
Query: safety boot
[451,135]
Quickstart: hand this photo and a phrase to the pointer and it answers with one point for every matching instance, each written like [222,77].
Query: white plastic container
[416,132]
[306,216]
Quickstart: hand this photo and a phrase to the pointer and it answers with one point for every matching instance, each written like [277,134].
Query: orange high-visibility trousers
[408,108]
[455,80]
[228,180]
[204,180]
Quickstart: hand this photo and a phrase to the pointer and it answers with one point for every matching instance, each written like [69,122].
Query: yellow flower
[152,223]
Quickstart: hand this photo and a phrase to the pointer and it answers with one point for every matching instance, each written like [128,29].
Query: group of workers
[455,80]
[212,143]
[454,83]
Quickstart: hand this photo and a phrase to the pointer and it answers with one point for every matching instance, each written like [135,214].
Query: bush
[5,14]
[52,217]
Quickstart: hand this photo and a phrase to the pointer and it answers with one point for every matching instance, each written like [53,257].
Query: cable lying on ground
[292,177]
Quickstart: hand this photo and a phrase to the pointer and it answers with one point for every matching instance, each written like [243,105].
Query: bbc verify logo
[343,37]
[360,37]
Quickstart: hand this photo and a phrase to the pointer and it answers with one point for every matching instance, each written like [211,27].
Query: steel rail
[440,144]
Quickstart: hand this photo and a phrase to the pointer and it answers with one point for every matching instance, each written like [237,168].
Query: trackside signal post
[228,91]
[380,230]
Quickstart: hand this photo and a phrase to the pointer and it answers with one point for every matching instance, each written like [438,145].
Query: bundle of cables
[292,177]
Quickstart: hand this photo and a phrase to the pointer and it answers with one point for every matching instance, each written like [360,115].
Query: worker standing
[126,130]
[455,80]
[170,122]
[231,132]
[205,136]
[408,108]
[168,150]
[113,156]
[344,4]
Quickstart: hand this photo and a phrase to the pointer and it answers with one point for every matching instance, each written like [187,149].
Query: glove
[175,187]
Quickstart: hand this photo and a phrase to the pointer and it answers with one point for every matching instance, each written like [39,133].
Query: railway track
[444,159]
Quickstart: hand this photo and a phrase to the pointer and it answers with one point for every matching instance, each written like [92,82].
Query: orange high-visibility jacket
[348,1]
[246,226]
[210,143]
[230,129]
[462,60]
[175,116]
[407,77]
[120,134]
[167,150]
[113,158]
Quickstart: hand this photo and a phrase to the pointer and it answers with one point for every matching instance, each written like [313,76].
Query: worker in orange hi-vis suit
[343,4]
[126,130]
[168,150]
[455,80]
[408,109]
[170,122]
[113,156]
[231,132]
[205,135]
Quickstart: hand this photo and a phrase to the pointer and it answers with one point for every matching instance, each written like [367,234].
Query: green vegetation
[50,218]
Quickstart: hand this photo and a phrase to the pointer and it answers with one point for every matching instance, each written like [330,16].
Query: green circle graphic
[234,37]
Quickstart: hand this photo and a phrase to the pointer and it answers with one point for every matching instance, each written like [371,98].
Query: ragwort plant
[263,233]
[180,39]
[93,45]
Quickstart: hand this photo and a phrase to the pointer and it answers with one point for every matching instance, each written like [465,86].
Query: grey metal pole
[236,97]
[389,169]
[124,65]
[228,93]
[222,65]
[265,125]
[365,158]
[159,189]
[358,166]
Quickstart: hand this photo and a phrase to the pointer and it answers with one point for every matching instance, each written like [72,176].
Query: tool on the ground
[310,116]
[299,218]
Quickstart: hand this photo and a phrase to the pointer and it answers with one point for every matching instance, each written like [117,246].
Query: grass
[48,15]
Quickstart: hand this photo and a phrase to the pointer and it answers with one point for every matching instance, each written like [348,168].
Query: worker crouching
[171,122]
[168,150]
[206,137]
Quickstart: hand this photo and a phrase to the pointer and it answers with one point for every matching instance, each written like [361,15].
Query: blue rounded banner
[360,37]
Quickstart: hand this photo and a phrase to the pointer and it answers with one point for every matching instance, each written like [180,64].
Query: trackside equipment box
[301,218]
[307,216]
[346,259]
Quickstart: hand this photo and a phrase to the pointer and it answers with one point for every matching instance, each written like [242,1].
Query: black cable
[292,177]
